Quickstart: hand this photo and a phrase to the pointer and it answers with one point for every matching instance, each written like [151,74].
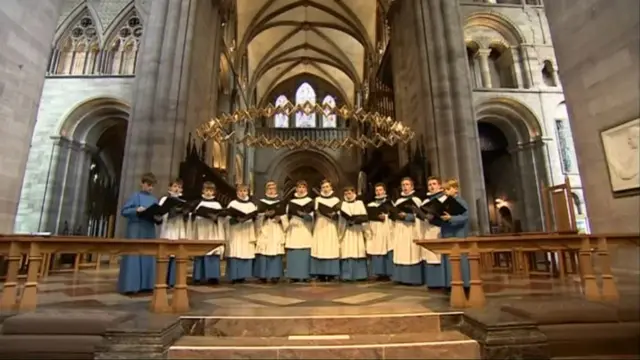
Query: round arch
[88,120]
[289,161]
[513,118]
[498,22]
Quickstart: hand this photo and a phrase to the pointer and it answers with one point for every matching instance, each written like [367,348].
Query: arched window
[123,47]
[281,120]
[77,50]
[329,120]
[304,94]
[568,158]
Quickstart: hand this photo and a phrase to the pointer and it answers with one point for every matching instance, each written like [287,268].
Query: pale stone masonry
[26,31]
[176,67]
[598,48]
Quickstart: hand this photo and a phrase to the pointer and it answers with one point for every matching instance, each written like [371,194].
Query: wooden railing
[36,246]
[473,247]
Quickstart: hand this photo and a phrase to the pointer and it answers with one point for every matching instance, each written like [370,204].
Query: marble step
[434,345]
[280,326]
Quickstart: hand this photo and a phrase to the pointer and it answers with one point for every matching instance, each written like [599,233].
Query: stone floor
[96,289]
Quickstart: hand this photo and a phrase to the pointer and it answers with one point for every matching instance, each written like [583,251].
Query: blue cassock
[456,227]
[137,272]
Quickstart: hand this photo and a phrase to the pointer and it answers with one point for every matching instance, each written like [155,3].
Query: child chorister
[271,223]
[353,252]
[299,235]
[173,225]
[434,271]
[137,272]
[455,226]
[379,235]
[241,236]
[325,248]
[208,224]
[407,256]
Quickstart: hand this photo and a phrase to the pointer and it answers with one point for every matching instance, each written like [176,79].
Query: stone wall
[60,97]
[26,31]
[597,45]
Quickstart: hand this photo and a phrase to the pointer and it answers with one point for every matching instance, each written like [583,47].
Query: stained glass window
[281,120]
[305,93]
[329,120]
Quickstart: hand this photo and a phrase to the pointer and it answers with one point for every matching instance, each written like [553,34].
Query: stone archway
[79,191]
[514,161]
[310,165]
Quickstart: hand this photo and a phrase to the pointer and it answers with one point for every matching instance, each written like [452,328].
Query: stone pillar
[485,72]
[525,56]
[434,97]
[27,28]
[529,161]
[172,95]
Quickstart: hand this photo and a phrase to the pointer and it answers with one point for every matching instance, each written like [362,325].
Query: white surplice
[299,233]
[353,243]
[207,229]
[241,237]
[174,228]
[378,234]
[326,242]
[405,251]
[431,231]
[271,232]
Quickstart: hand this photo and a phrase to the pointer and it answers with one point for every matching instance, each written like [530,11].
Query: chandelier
[381,130]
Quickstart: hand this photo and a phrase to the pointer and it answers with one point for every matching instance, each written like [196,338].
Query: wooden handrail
[474,246]
[36,245]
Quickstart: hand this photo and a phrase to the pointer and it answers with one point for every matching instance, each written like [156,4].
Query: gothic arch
[112,29]
[515,119]
[497,22]
[289,161]
[83,8]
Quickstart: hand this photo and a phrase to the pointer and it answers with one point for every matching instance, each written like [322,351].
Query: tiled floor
[96,289]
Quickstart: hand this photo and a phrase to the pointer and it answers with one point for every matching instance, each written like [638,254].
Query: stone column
[27,28]
[433,94]
[530,166]
[485,72]
[171,94]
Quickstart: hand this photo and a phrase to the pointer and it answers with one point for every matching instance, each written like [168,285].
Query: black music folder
[328,211]
[374,212]
[449,205]
[300,210]
[354,219]
[172,206]
[278,208]
[408,207]
[239,216]
[209,213]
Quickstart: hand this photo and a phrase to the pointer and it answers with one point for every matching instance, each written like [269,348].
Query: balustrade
[36,246]
[475,246]
[313,134]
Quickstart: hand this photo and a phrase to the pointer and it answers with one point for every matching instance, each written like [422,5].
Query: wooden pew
[35,246]
[580,243]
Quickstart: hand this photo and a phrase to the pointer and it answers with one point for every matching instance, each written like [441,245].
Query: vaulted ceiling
[326,38]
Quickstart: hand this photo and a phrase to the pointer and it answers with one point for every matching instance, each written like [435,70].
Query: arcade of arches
[482,94]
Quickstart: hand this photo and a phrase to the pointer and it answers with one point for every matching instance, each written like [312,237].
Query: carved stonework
[143,7]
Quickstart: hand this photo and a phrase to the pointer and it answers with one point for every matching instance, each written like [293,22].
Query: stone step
[434,345]
[281,326]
